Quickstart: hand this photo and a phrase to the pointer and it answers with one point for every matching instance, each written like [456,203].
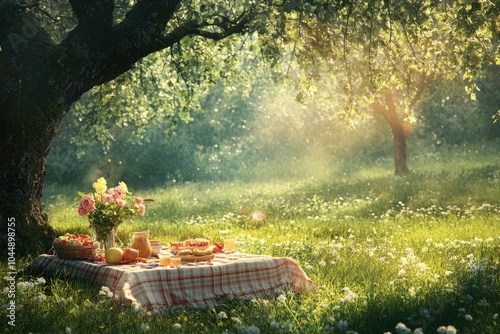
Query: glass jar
[140,241]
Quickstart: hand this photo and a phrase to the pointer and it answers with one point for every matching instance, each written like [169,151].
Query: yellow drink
[175,261]
[164,260]
[229,245]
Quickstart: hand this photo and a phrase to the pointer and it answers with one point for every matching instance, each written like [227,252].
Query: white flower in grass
[24,286]
[222,315]
[402,329]
[447,330]
[322,263]
[67,330]
[40,298]
[64,301]
[144,327]
[422,267]
[468,317]
[105,291]
[448,273]
[281,298]
[40,281]
[177,326]
[418,331]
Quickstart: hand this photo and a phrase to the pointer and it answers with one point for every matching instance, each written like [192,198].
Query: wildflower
[144,327]
[64,301]
[402,329]
[67,330]
[418,331]
[40,281]
[105,291]
[24,286]
[281,298]
[322,263]
[448,273]
[222,315]
[40,298]
[468,317]
[177,325]
[447,330]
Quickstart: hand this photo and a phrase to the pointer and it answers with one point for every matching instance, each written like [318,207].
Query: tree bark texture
[40,79]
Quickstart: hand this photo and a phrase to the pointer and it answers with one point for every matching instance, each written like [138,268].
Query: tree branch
[421,88]
[96,16]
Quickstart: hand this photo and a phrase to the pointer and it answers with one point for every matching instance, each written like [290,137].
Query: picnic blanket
[196,284]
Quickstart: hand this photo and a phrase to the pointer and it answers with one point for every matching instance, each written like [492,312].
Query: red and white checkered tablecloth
[196,284]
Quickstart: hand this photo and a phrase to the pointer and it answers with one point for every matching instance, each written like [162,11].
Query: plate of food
[189,244]
[196,255]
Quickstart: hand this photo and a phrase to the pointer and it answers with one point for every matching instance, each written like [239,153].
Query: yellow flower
[123,187]
[100,186]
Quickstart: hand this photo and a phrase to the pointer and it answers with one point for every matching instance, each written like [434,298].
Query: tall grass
[418,254]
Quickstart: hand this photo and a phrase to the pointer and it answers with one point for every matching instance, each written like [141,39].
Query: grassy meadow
[417,254]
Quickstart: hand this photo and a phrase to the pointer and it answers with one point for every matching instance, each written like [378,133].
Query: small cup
[229,245]
[164,260]
[155,246]
[175,261]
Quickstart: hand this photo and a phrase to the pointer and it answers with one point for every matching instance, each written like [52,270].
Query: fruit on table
[74,240]
[130,254]
[114,255]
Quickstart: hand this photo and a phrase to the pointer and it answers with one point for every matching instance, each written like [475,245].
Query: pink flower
[108,198]
[141,209]
[87,202]
[138,200]
[121,202]
[81,211]
[116,192]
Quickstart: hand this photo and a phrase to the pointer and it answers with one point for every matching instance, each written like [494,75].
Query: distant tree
[382,55]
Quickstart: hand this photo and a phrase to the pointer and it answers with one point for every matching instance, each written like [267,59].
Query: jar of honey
[140,241]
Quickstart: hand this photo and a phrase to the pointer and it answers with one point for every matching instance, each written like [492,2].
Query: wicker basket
[75,252]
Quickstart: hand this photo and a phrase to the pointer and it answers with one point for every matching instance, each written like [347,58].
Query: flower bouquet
[108,208]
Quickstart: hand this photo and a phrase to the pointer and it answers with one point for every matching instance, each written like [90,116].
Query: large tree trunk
[22,171]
